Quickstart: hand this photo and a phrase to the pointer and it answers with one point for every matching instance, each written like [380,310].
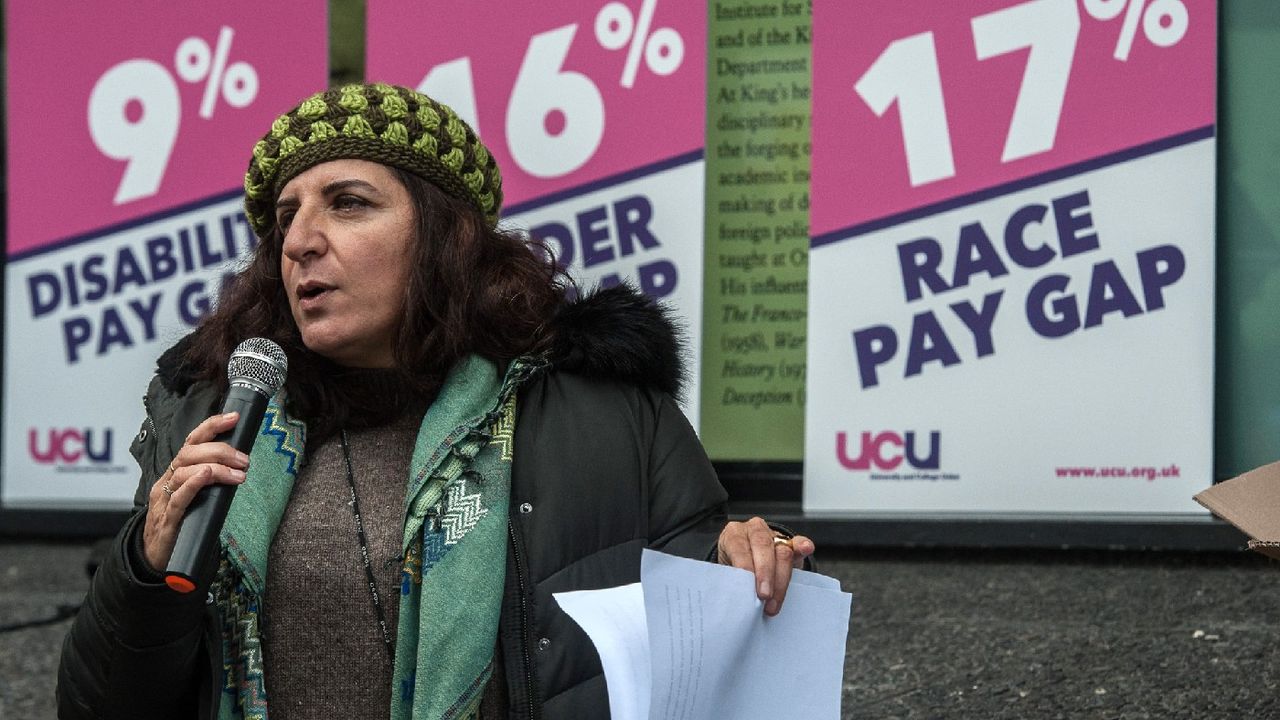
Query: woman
[454,443]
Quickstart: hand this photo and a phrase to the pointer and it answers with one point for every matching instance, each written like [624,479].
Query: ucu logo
[874,452]
[69,445]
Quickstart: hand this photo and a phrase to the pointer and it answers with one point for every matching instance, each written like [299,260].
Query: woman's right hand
[200,462]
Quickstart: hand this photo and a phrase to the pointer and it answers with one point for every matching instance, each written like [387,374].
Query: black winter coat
[605,465]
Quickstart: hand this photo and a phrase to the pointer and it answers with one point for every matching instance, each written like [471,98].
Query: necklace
[364,552]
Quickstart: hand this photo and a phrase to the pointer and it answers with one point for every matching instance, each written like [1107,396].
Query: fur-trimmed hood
[612,333]
[618,333]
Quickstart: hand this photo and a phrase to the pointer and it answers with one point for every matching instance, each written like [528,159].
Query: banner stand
[773,490]
[1043,532]
[60,524]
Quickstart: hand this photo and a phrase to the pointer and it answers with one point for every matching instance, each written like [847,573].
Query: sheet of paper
[614,620]
[691,641]
[716,655]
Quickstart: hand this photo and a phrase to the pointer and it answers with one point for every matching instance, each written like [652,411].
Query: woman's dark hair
[472,289]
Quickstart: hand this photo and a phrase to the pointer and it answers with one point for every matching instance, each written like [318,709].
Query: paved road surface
[935,633]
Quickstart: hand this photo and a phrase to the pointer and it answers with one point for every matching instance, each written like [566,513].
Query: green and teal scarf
[455,548]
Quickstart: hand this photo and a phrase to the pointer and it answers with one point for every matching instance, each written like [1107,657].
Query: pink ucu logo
[69,445]
[873,452]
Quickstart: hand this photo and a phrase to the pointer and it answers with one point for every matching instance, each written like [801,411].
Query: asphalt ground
[934,634]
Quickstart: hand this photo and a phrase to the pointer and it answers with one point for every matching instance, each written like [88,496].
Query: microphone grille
[259,360]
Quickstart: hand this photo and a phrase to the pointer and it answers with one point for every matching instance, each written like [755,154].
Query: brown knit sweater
[323,652]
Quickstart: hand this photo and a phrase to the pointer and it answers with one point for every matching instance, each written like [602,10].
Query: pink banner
[122,110]
[565,94]
[1012,256]
[130,126]
[923,101]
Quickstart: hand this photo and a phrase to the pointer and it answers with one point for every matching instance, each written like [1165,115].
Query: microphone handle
[198,534]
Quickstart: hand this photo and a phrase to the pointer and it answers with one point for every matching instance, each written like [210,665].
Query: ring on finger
[782,540]
[168,490]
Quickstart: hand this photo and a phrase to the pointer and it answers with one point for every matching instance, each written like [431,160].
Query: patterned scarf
[455,548]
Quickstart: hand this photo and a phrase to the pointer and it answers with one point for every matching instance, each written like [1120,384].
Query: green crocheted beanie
[383,123]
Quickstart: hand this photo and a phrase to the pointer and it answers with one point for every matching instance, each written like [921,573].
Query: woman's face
[348,228]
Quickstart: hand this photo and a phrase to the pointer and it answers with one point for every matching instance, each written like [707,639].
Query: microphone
[256,371]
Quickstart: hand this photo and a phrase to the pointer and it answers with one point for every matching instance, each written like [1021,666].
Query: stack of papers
[691,641]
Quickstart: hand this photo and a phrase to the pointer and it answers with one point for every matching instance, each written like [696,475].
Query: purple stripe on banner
[128,225]
[1061,173]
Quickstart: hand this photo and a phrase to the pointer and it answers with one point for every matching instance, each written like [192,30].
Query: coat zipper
[524,620]
[151,427]
[146,406]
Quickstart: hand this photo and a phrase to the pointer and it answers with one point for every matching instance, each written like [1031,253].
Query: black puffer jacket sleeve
[602,470]
[687,504]
[135,650]
[134,647]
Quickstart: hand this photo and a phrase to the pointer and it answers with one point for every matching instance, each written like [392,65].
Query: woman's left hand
[754,546]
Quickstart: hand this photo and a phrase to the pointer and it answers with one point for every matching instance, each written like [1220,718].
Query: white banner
[125,158]
[646,231]
[961,381]
[85,325]
[1011,298]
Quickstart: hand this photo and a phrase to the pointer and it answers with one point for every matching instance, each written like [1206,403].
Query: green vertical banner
[757,230]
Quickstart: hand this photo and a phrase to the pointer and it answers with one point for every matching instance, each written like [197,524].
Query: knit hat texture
[382,123]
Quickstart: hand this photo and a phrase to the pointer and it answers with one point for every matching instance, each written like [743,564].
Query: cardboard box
[1251,502]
